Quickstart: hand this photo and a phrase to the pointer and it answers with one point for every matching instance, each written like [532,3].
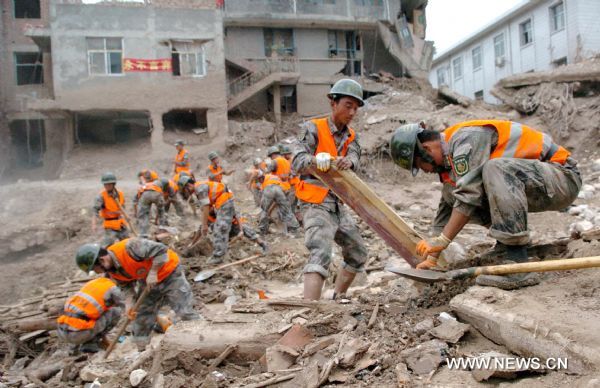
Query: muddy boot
[313,285]
[214,260]
[342,283]
[263,246]
[514,254]
[89,347]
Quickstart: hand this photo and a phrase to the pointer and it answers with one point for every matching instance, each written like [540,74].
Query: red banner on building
[130,64]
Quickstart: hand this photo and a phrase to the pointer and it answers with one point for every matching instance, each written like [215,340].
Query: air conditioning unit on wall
[500,61]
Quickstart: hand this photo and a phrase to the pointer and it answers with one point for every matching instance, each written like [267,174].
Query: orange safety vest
[173,186]
[256,175]
[137,270]
[153,174]
[83,309]
[294,181]
[149,187]
[217,172]
[308,192]
[113,219]
[218,193]
[272,179]
[284,170]
[179,159]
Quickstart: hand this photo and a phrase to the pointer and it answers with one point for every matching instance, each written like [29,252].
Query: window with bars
[29,68]
[457,67]
[105,56]
[526,32]
[499,46]
[279,42]
[442,78]
[188,59]
[476,54]
[557,17]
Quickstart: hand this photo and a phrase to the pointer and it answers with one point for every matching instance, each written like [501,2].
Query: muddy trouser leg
[265,205]
[143,214]
[320,227]
[256,194]
[146,314]
[349,239]
[178,295]
[222,227]
[292,199]
[110,237]
[516,186]
[178,206]
[103,325]
[249,232]
[284,210]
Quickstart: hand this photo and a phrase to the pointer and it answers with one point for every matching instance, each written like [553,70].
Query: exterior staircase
[283,71]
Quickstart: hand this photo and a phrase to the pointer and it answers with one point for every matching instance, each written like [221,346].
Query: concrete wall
[546,48]
[146,32]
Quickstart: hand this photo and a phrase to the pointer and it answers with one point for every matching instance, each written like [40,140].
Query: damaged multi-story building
[102,71]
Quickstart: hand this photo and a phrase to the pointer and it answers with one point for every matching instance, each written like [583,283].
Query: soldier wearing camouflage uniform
[107,208]
[153,264]
[149,194]
[273,194]
[494,172]
[325,218]
[255,177]
[170,189]
[286,152]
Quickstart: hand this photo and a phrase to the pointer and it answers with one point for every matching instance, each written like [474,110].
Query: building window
[479,95]
[30,68]
[476,54]
[105,56]
[557,17]
[188,59]
[526,32]
[457,68]
[560,62]
[279,42]
[28,138]
[27,9]
[499,46]
[442,76]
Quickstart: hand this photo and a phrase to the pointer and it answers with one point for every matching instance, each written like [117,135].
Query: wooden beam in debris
[373,210]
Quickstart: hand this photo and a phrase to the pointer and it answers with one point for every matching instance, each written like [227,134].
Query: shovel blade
[204,275]
[420,275]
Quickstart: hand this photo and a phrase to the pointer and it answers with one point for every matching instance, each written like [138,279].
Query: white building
[536,35]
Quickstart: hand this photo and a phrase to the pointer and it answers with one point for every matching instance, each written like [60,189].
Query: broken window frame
[526,32]
[457,74]
[107,54]
[284,51]
[37,14]
[499,43]
[33,159]
[477,58]
[557,17]
[192,49]
[37,68]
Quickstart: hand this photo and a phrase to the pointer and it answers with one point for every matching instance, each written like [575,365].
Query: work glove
[323,161]
[428,263]
[432,246]
[152,279]
[131,314]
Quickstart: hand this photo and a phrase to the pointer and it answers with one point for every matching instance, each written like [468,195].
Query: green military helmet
[257,162]
[273,150]
[163,183]
[212,155]
[108,177]
[179,142]
[87,257]
[184,180]
[285,150]
[347,87]
[402,146]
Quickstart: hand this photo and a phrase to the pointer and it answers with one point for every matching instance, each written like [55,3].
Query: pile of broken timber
[27,324]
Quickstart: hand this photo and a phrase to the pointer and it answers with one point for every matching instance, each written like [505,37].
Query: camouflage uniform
[274,194]
[173,291]
[116,303]
[170,196]
[330,220]
[499,192]
[110,236]
[144,202]
[222,225]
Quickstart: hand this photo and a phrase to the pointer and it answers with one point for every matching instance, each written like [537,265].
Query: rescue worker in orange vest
[151,263]
[91,313]
[286,152]
[107,208]
[326,219]
[273,194]
[182,159]
[215,167]
[147,195]
[147,175]
[239,226]
[255,178]
[170,190]
[493,172]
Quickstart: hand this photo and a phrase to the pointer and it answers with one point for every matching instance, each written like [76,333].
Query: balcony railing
[370,9]
[264,69]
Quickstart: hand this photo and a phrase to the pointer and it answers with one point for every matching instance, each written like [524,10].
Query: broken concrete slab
[352,351]
[402,375]
[307,378]
[450,331]
[500,369]
[424,326]
[319,344]
[530,323]
[425,357]
[279,357]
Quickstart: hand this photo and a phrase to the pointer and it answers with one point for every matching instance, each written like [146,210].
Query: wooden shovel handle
[242,261]
[539,266]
